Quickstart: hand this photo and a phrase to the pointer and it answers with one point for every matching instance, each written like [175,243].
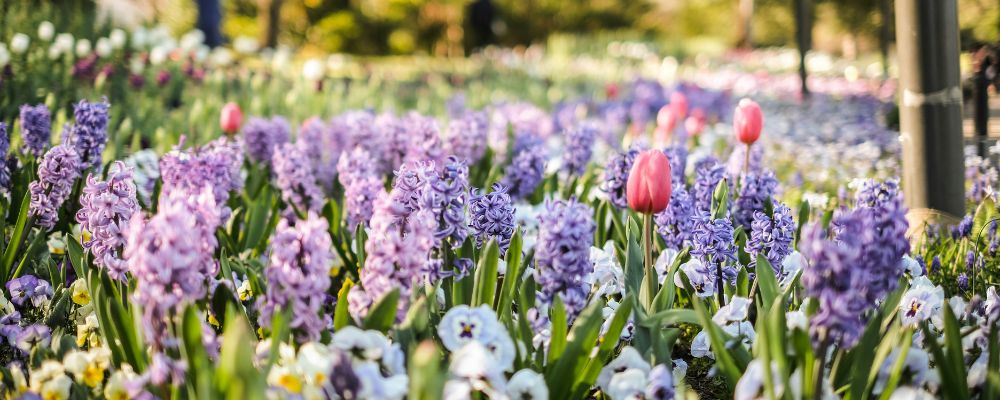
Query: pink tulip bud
[678,105]
[611,91]
[665,119]
[231,118]
[748,121]
[695,123]
[648,188]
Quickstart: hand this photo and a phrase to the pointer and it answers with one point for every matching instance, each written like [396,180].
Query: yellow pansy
[81,296]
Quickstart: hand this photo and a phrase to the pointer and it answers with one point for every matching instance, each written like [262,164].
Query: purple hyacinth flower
[527,168]
[708,173]
[4,147]
[756,189]
[466,137]
[321,144]
[881,203]
[425,139]
[579,148]
[298,276]
[446,198]
[492,216]
[106,209]
[677,155]
[562,253]
[675,223]
[712,239]
[295,178]
[771,236]
[616,176]
[217,165]
[261,136]
[58,170]
[90,131]
[36,129]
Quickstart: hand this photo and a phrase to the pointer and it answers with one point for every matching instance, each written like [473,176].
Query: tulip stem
[746,161]
[650,277]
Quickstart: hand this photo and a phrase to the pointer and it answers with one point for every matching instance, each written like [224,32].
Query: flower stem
[718,284]
[746,161]
[650,279]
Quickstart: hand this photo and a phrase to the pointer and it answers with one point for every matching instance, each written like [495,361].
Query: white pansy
[628,384]
[286,354]
[796,320]
[46,30]
[912,393]
[314,362]
[751,384]
[978,371]
[118,38]
[313,70]
[629,358]
[49,370]
[475,364]
[701,346]
[680,369]
[103,47]
[701,277]
[911,266]
[463,324]
[64,42]
[367,344]
[19,43]
[607,277]
[920,303]
[790,267]
[737,310]
[527,384]
[916,369]
[82,48]
[663,263]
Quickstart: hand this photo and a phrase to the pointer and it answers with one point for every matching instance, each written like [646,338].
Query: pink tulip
[231,118]
[611,91]
[678,105]
[695,123]
[648,188]
[665,119]
[748,121]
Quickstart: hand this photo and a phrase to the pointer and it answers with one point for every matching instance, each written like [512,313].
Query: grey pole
[803,35]
[930,107]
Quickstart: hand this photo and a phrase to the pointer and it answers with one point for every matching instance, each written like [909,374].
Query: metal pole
[980,99]
[930,107]
[803,35]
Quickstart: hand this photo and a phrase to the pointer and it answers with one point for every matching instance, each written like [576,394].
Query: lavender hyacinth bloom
[406,197]
[36,129]
[771,236]
[963,282]
[298,275]
[396,258]
[446,199]
[834,278]
[295,178]
[492,216]
[527,169]
[4,147]
[616,176]
[882,206]
[90,132]
[755,190]
[321,144]
[261,136]
[677,155]
[106,209]
[425,138]
[172,259]
[674,223]
[708,173]
[396,141]
[357,172]
[217,165]
[963,229]
[29,288]
[467,136]
[354,165]
[734,165]
[712,240]
[57,172]
[562,254]
[579,148]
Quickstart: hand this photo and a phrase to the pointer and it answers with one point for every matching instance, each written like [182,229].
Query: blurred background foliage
[458,27]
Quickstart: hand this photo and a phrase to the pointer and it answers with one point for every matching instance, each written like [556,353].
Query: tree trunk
[269,17]
[744,24]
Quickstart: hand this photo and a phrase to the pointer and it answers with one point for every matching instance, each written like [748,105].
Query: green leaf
[21,228]
[560,324]
[720,199]
[512,275]
[671,317]
[607,345]
[427,376]
[485,285]
[633,259]
[769,289]
[199,366]
[863,355]
[730,361]
[280,332]
[382,315]
[341,315]
[582,338]
[236,375]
